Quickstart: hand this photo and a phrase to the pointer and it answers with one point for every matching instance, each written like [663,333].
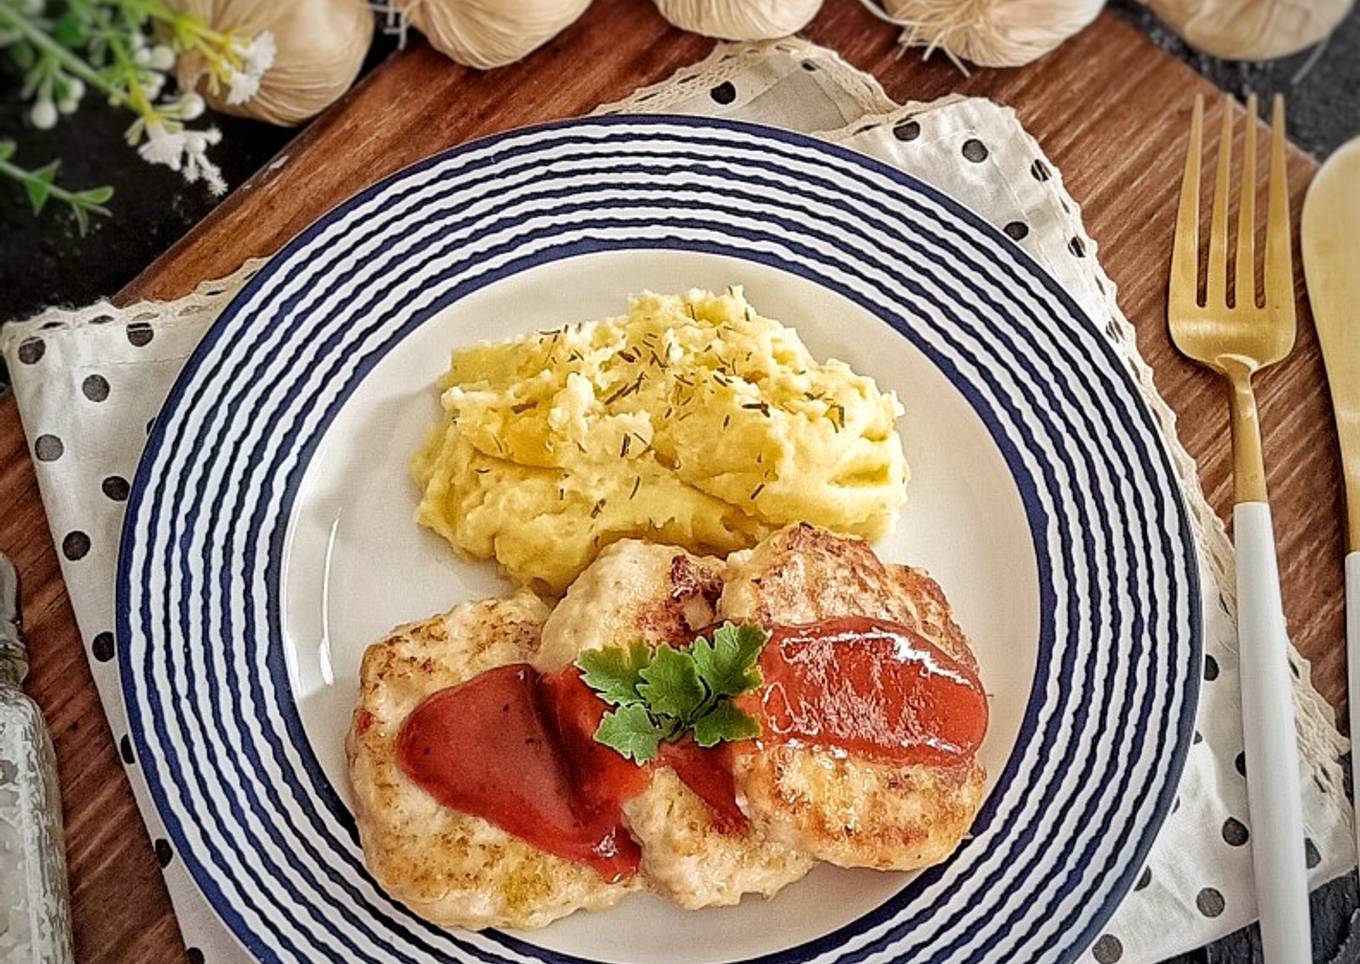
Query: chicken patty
[844,808]
[450,867]
[661,594]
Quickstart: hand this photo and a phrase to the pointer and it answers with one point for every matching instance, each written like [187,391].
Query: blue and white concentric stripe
[1109,720]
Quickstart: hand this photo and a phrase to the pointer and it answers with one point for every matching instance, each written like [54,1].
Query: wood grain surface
[1109,108]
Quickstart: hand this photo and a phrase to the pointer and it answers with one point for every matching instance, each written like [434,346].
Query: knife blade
[1330,242]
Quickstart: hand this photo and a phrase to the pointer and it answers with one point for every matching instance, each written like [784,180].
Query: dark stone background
[44,260]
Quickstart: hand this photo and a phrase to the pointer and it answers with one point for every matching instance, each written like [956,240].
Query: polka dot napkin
[89,382]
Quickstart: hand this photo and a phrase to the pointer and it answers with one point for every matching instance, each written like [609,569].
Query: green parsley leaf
[724,722]
[615,673]
[632,732]
[663,695]
[672,686]
[728,664]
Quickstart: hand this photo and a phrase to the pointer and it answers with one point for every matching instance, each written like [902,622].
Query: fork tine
[1244,287]
[1279,282]
[1185,248]
[1216,290]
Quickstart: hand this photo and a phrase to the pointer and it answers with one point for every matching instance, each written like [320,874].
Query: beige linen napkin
[88,382]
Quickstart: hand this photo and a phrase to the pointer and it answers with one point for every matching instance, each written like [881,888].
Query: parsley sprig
[660,696]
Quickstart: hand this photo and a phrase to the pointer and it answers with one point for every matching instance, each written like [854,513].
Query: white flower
[189,106]
[153,85]
[196,142]
[70,91]
[185,151]
[161,58]
[162,147]
[196,163]
[44,114]
[241,87]
[256,57]
[260,54]
[186,107]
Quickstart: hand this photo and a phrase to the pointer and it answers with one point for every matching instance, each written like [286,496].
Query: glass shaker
[35,921]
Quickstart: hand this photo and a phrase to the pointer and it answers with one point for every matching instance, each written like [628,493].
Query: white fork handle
[1353,669]
[1272,751]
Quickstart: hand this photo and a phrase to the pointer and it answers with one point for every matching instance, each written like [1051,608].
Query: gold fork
[1238,337]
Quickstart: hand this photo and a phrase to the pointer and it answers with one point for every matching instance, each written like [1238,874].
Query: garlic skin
[490,33]
[320,47]
[993,33]
[740,19]
[1251,29]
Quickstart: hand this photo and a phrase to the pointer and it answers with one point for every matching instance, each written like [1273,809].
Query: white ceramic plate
[269,536]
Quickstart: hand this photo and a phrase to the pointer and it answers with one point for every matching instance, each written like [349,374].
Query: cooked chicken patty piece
[844,808]
[450,867]
[688,858]
[633,590]
[662,594]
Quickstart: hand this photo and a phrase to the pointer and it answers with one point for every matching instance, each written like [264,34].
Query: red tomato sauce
[708,772]
[517,748]
[869,687]
[488,748]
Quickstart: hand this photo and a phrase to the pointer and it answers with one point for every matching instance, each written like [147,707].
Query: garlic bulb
[1252,29]
[490,33]
[740,19]
[320,46]
[992,33]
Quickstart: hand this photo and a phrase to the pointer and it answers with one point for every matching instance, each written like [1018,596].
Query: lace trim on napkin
[730,60]
[203,304]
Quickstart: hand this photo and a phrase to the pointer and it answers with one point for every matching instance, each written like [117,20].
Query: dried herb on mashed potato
[691,420]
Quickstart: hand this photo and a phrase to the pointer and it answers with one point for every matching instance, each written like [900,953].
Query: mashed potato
[691,420]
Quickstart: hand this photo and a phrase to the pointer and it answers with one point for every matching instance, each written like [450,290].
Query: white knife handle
[1272,751]
[1353,668]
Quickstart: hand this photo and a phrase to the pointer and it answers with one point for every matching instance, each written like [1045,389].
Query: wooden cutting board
[1108,107]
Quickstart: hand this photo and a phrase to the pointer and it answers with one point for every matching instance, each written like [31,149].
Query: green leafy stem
[40,186]
[662,695]
[94,43]
[49,47]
